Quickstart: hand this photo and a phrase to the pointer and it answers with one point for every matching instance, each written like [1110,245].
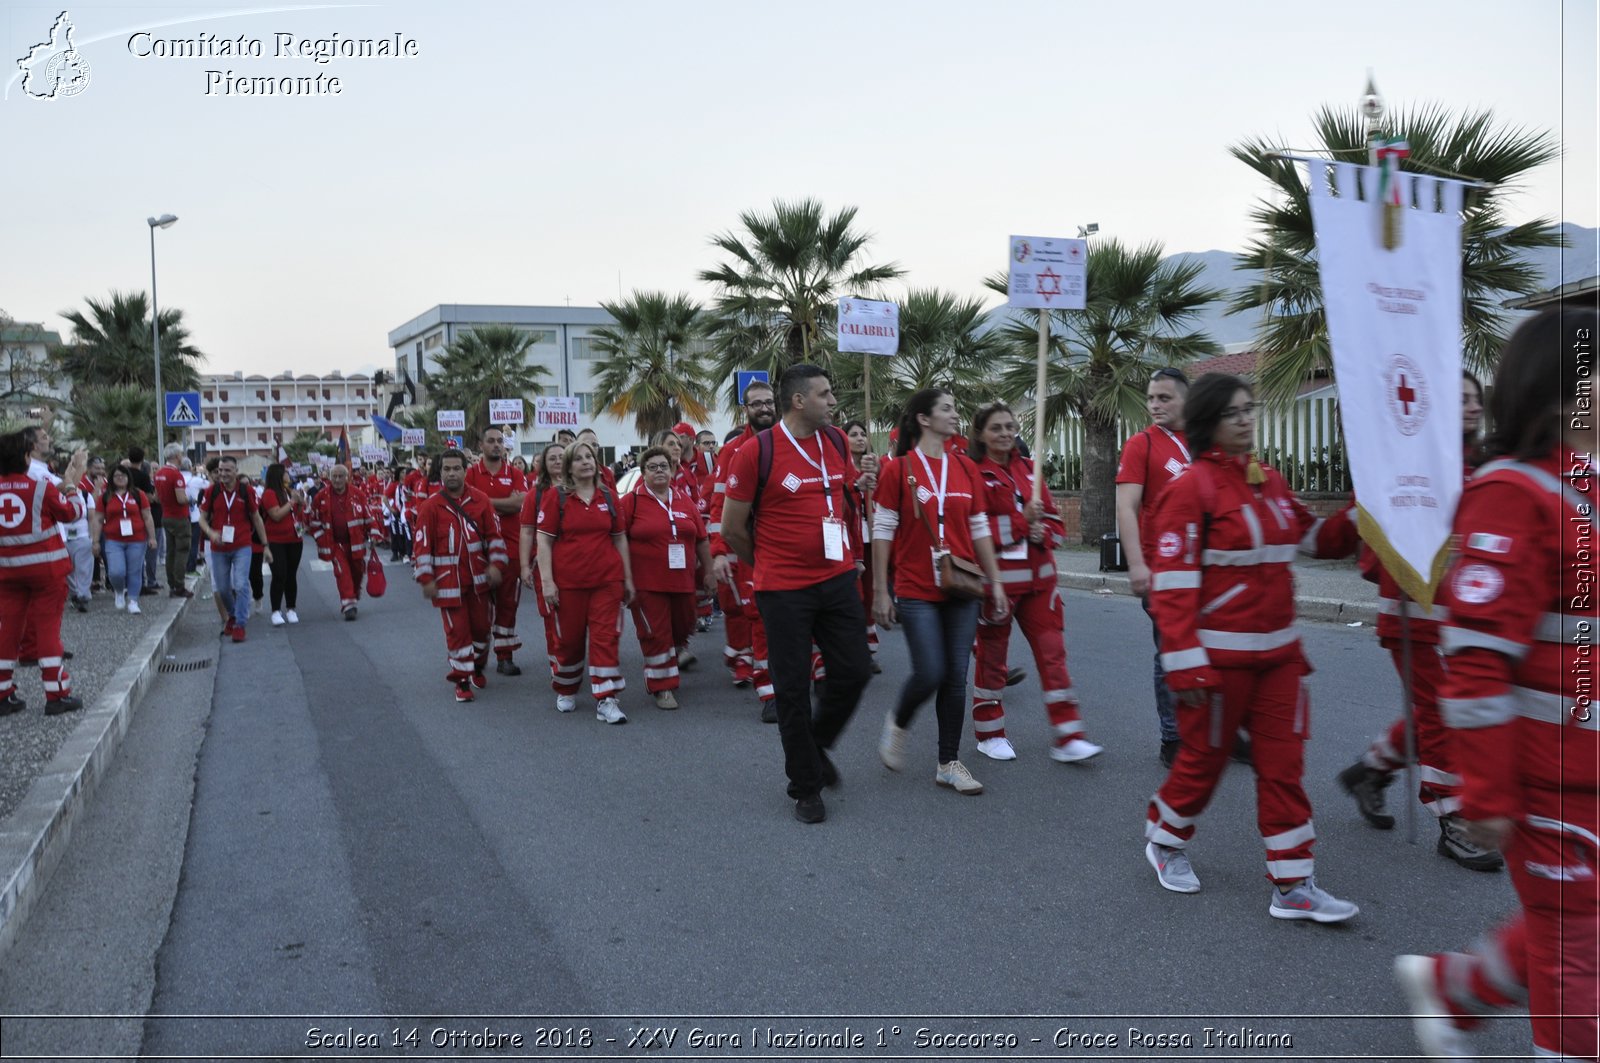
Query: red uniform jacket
[718,492]
[455,542]
[30,542]
[331,510]
[1222,586]
[1030,567]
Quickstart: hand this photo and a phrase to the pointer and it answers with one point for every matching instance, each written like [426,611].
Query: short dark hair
[1548,360]
[220,459]
[452,454]
[657,451]
[796,380]
[1173,374]
[1202,409]
[14,448]
[755,385]
[732,435]
[491,428]
[136,454]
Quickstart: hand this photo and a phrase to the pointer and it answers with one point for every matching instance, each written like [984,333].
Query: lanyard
[1187,460]
[1005,474]
[821,464]
[228,501]
[122,498]
[672,521]
[944,471]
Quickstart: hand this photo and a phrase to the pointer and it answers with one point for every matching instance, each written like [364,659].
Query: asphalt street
[363,857]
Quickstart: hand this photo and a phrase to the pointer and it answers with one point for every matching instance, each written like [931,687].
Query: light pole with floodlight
[163,222]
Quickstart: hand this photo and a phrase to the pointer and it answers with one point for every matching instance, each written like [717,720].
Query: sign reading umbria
[283,46]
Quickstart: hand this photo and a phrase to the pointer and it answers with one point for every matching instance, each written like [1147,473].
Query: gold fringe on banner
[1417,588]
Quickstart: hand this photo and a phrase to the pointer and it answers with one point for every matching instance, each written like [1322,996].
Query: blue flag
[386,428]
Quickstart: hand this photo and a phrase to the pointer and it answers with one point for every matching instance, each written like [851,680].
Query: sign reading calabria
[555,411]
[452,420]
[1048,273]
[505,411]
[868,327]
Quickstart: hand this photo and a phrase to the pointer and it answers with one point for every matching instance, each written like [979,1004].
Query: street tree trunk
[1099,513]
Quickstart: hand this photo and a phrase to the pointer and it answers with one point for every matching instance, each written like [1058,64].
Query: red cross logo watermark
[1406,394]
[1477,584]
[13,511]
[1047,283]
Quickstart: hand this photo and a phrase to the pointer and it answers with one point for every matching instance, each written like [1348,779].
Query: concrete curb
[1308,608]
[38,832]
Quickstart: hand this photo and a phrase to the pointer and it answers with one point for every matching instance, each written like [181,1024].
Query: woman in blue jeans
[930,502]
[123,516]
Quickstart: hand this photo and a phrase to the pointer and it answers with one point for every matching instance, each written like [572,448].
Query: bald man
[346,530]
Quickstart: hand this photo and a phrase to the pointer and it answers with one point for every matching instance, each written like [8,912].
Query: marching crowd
[813,548]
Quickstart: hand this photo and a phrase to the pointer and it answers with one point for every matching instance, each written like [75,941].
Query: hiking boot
[892,745]
[606,710]
[1173,869]
[11,703]
[769,712]
[998,748]
[1454,843]
[1307,900]
[1367,785]
[1074,750]
[955,775]
[1436,1032]
[66,703]
[506,666]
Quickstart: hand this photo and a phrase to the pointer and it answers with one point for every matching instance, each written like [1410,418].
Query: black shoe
[1367,785]
[146,591]
[61,705]
[769,712]
[182,592]
[1169,751]
[66,655]
[11,703]
[810,809]
[81,604]
[1454,843]
[506,666]
[349,612]
[1015,676]
[1243,751]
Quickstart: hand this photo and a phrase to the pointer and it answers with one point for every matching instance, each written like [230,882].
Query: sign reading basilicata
[452,420]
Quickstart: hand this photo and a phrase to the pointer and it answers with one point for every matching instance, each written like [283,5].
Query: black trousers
[831,615]
[285,574]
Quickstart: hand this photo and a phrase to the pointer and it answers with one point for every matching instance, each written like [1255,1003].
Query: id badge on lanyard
[677,556]
[833,539]
[125,525]
[1015,552]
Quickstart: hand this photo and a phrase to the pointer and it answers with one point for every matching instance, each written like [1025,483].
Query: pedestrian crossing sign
[183,409]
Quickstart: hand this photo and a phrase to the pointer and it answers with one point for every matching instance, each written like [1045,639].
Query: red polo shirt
[582,555]
[651,532]
[1153,459]
[788,534]
[913,542]
[170,492]
[132,507]
[229,508]
[508,481]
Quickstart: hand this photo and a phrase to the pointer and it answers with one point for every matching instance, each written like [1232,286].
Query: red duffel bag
[377,582]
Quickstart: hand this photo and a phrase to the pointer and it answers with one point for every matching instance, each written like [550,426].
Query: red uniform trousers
[1271,704]
[1438,787]
[663,621]
[1039,613]
[588,619]
[503,627]
[1543,958]
[466,635]
[548,617]
[38,601]
[738,651]
[349,569]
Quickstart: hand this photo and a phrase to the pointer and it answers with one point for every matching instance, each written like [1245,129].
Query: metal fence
[1301,441]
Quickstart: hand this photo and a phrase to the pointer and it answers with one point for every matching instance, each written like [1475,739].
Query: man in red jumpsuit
[345,528]
[459,558]
[745,652]
[504,485]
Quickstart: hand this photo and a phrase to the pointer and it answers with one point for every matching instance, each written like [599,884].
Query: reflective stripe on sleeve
[1188,580]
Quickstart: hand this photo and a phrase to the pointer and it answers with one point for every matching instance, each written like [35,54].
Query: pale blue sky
[534,151]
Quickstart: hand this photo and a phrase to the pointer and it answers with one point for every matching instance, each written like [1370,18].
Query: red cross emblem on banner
[1406,395]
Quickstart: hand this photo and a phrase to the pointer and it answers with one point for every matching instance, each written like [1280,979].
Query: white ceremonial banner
[1048,273]
[1394,324]
[505,411]
[555,411]
[413,437]
[452,420]
[869,327]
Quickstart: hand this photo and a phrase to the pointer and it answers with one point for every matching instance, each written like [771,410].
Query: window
[275,396]
[361,393]
[261,396]
[311,393]
[224,416]
[327,415]
[277,417]
[226,439]
[211,418]
[327,396]
[311,414]
[262,416]
[431,342]
[586,349]
[361,414]
[206,395]
[222,395]
[261,437]
[585,401]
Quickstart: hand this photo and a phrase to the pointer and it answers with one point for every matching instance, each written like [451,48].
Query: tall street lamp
[163,222]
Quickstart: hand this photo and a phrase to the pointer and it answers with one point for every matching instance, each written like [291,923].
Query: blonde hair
[567,483]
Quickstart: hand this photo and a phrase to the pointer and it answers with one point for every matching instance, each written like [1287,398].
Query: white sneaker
[1075,750]
[606,710]
[955,775]
[997,749]
[133,606]
[1310,901]
[277,618]
[566,702]
[892,746]
[686,658]
[291,616]
[120,600]
[1438,1035]
[1173,869]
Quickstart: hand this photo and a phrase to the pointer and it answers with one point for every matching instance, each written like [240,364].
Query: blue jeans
[230,576]
[1165,714]
[125,565]
[939,636]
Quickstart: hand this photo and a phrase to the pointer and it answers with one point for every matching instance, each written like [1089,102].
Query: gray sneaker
[892,746]
[1310,901]
[1435,1030]
[1173,869]
[1454,843]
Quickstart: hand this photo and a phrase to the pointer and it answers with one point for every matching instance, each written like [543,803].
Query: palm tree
[110,347]
[304,442]
[1100,358]
[652,370]
[488,362]
[944,342]
[1293,335]
[109,420]
[777,300]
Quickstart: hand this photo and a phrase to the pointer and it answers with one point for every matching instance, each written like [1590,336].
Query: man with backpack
[227,517]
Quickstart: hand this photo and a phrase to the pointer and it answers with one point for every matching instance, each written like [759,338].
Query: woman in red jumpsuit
[33,570]
[547,475]
[1222,592]
[1518,695]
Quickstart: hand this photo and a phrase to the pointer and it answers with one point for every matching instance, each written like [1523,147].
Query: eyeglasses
[756,404]
[1247,412]
[657,466]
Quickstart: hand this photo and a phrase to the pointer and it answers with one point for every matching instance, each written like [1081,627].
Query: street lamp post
[163,222]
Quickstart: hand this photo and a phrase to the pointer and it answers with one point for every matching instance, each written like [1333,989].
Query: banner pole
[1038,406]
[866,393]
[1407,684]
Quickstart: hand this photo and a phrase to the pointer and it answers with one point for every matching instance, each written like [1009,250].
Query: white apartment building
[28,381]
[563,344]
[247,416]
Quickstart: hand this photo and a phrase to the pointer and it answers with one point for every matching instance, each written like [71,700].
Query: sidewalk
[1324,590]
